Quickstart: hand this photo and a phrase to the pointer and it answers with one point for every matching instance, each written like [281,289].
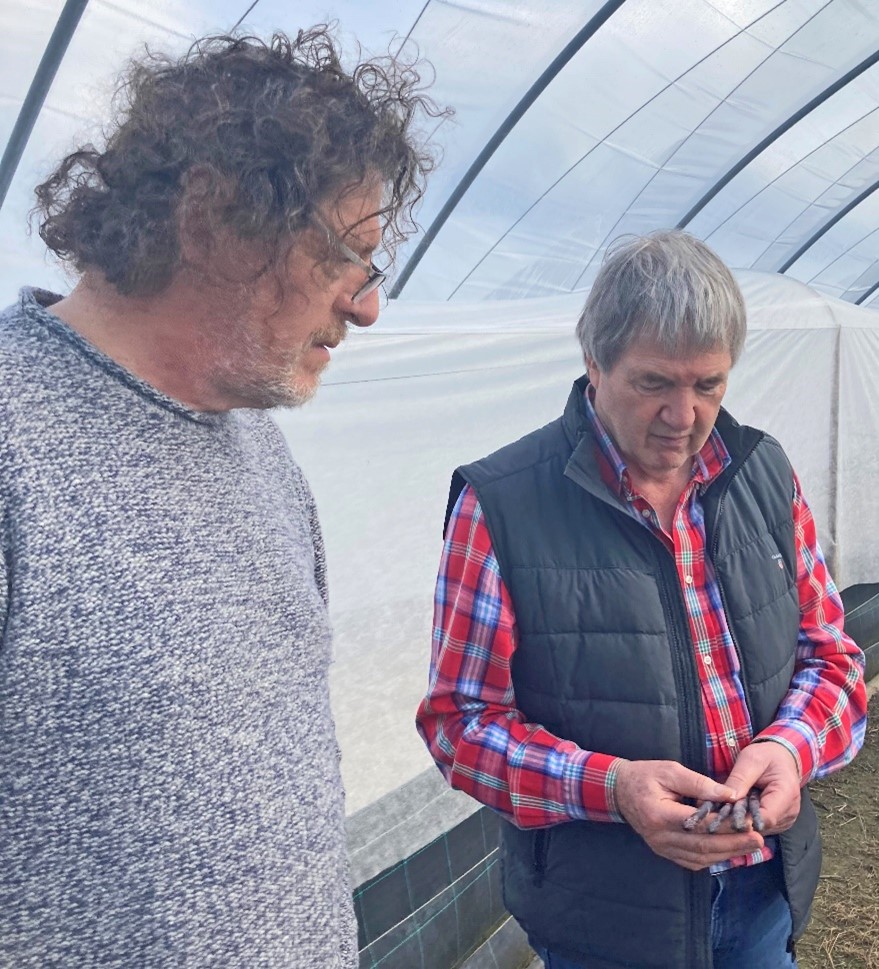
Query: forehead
[645,357]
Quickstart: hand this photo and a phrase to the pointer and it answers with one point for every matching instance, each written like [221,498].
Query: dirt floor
[844,932]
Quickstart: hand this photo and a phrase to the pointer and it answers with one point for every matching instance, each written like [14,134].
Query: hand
[649,795]
[770,767]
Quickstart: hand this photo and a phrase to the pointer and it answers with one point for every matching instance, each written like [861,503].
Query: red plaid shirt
[483,744]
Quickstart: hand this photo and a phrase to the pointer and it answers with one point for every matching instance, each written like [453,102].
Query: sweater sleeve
[480,741]
[822,718]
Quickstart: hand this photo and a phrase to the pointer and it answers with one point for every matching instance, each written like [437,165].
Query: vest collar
[582,467]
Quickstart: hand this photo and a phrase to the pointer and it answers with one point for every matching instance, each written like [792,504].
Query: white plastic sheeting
[633,133]
[662,105]
[435,385]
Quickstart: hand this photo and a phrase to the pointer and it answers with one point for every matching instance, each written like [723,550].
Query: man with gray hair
[634,619]
[170,792]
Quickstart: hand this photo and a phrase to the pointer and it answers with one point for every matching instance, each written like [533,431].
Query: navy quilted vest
[605,658]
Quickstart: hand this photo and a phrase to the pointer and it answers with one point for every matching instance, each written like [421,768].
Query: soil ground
[844,932]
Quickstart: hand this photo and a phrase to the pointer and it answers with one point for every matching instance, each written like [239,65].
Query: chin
[669,465]
[295,395]
[290,392]
[294,385]
[302,387]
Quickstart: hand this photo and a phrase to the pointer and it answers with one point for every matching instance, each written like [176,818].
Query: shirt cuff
[799,741]
[597,781]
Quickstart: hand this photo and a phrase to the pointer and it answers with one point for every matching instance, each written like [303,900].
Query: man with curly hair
[169,776]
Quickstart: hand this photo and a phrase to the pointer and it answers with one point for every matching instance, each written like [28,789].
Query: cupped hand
[770,767]
[650,795]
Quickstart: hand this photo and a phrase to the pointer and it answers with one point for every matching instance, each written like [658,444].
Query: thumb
[742,778]
[692,784]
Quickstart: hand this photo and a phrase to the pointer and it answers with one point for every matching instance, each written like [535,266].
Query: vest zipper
[684,664]
[694,754]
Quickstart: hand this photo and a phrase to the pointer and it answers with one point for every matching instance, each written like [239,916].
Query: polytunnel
[752,124]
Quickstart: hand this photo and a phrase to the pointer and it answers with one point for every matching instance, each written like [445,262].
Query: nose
[679,411]
[362,313]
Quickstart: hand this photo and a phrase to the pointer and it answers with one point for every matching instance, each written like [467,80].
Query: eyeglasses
[374,276]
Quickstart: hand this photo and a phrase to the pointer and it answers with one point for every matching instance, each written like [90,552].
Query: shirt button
[688,579]
[730,741]
[645,512]
[707,660]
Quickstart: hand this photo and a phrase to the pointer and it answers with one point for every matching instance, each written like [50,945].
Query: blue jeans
[750,921]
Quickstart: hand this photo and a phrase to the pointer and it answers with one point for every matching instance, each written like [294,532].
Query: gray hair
[667,287]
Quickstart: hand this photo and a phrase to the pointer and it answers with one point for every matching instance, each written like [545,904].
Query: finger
[742,778]
[722,815]
[715,847]
[750,767]
[698,851]
[688,783]
[705,808]
[778,810]
[754,809]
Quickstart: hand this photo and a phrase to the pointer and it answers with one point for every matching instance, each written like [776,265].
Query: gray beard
[244,371]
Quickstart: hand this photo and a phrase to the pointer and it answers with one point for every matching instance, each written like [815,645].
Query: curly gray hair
[240,134]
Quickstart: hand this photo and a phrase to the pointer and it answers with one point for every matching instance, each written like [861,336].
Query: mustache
[330,336]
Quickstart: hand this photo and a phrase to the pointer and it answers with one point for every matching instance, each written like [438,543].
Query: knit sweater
[170,791]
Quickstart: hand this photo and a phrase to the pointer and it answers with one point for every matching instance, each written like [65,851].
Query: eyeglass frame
[374,276]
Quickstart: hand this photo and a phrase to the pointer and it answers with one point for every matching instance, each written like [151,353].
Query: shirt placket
[725,716]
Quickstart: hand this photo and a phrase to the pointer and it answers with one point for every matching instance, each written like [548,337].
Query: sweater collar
[35,305]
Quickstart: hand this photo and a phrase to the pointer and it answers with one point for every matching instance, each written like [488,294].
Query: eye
[710,388]
[651,386]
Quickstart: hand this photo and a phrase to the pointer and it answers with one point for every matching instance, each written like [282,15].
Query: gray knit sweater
[169,776]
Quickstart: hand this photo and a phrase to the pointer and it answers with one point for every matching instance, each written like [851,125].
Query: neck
[663,494]
[161,339]
[668,486]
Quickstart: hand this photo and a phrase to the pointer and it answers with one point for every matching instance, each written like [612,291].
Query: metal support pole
[36,95]
[536,89]
[743,162]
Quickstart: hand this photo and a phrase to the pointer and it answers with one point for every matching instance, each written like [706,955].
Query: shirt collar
[712,459]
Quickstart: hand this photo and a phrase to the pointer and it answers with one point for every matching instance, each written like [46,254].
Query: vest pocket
[539,850]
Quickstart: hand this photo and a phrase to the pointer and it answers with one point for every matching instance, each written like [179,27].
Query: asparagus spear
[737,812]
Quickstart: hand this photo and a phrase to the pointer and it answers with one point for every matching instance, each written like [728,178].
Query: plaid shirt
[483,744]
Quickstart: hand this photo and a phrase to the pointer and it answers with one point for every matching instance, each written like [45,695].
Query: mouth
[670,441]
[329,342]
